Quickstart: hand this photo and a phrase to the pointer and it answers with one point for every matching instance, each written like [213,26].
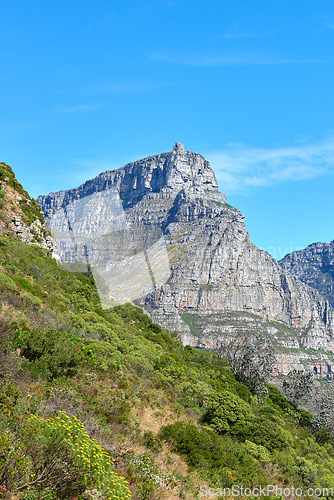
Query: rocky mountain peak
[178,147]
[166,173]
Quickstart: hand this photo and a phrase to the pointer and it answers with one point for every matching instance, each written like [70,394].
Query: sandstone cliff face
[314,266]
[219,282]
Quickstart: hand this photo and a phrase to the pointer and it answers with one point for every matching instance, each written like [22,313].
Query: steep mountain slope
[219,282]
[314,265]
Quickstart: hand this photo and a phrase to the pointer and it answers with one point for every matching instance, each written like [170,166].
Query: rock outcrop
[314,265]
[21,216]
[219,282]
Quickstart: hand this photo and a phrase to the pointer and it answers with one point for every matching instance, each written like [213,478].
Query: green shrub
[24,283]
[258,451]
[7,282]
[31,300]
[55,459]
[92,461]
[202,449]
[227,412]
[323,436]
[51,354]
[263,431]
[305,471]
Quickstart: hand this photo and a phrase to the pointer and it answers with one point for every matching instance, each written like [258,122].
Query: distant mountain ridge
[314,266]
[220,283]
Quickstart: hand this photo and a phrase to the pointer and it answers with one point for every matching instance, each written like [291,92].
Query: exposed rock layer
[314,265]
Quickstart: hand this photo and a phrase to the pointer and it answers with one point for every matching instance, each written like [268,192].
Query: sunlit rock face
[314,265]
[207,279]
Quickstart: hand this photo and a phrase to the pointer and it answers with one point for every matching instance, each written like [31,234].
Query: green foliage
[223,461]
[108,366]
[151,441]
[24,283]
[305,471]
[35,459]
[90,458]
[227,412]
[263,431]
[258,451]
[203,449]
[31,210]
[2,199]
[56,455]
[323,436]
[7,282]
[8,397]
[51,354]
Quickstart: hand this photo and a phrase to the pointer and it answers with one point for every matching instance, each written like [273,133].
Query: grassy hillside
[94,402]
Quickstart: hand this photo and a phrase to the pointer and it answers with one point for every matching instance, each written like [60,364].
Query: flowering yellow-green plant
[90,457]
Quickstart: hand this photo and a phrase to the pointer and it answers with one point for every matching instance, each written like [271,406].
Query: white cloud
[240,168]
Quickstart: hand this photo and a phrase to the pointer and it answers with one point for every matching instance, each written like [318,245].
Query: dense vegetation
[93,401]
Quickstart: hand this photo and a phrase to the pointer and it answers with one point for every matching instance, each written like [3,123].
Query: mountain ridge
[168,172]
[215,268]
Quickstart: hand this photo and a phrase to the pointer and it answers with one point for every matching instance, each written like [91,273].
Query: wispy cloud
[78,109]
[233,58]
[240,168]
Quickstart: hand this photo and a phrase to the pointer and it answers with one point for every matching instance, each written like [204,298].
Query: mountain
[314,265]
[218,281]
[105,404]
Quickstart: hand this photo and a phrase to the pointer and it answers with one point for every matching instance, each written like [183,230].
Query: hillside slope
[89,397]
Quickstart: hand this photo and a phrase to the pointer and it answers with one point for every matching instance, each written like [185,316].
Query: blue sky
[88,86]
